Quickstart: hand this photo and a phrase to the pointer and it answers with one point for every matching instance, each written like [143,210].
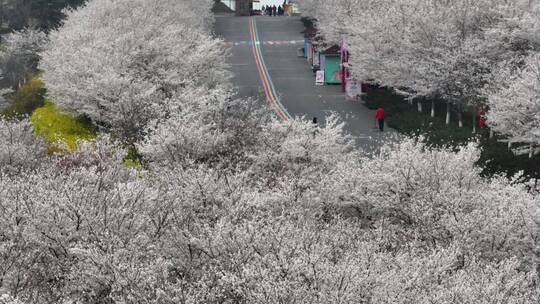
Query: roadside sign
[353,88]
[319,78]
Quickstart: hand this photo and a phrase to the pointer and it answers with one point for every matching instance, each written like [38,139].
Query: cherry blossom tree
[427,48]
[19,56]
[123,67]
[230,205]
[332,17]
[515,105]
[19,148]
[7,299]
[405,45]
[302,212]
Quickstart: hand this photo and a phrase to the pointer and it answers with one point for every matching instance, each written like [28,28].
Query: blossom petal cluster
[230,205]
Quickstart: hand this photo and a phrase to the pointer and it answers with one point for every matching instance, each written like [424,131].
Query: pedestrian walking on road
[316,126]
[380,115]
[274,10]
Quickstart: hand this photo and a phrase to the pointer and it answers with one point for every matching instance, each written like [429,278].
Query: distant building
[244,7]
[241,7]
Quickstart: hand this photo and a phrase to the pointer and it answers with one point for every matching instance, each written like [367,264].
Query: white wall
[230,3]
[257,5]
[272,2]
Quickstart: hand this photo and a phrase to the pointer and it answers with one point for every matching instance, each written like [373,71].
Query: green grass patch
[496,158]
[28,97]
[60,130]
[133,158]
[436,132]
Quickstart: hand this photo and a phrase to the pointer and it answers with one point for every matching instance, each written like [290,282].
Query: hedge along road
[265,64]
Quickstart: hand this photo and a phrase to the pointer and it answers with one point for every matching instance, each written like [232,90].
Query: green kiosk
[330,62]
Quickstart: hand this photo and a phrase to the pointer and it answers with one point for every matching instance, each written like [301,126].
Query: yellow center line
[262,73]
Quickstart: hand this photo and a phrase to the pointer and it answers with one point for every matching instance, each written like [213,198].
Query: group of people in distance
[272,10]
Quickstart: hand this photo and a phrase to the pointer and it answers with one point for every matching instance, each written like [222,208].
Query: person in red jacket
[481,118]
[380,115]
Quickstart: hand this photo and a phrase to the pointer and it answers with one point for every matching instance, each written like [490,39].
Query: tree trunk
[419,103]
[474,124]
[490,133]
[531,151]
[432,108]
[447,113]
[460,117]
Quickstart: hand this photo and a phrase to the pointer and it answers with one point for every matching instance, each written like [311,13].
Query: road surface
[265,65]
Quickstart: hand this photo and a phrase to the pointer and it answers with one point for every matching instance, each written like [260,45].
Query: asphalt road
[294,82]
